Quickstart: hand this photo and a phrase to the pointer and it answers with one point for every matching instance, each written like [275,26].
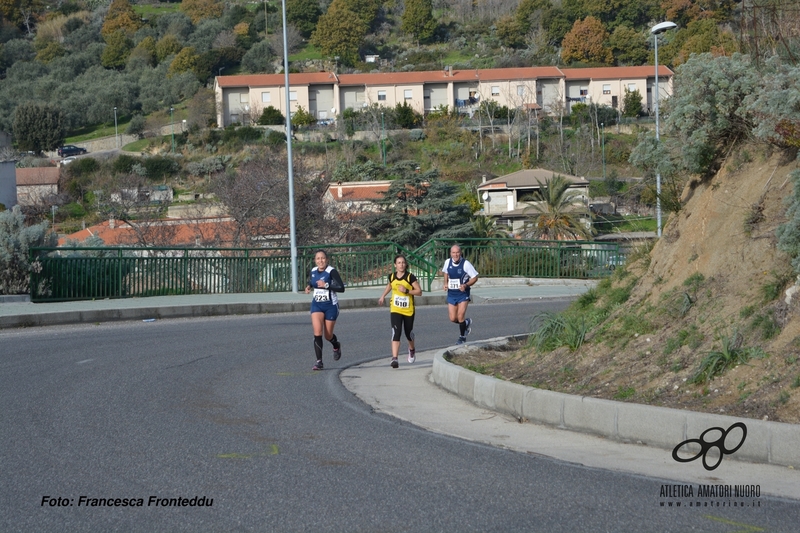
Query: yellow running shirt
[402,303]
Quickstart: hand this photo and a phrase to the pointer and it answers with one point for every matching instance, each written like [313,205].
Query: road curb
[144,312]
[766,442]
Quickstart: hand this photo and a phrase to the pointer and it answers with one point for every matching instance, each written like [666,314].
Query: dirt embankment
[713,288]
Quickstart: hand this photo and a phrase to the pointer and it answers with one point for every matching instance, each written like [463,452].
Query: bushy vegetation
[16,241]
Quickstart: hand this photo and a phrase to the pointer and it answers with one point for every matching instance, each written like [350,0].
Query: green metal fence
[84,273]
[504,258]
[81,273]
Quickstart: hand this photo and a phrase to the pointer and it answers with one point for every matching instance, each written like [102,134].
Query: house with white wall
[507,198]
[8,184]
[241,99]
[37,185]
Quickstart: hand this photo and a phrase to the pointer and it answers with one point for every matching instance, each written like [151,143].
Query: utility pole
[173,130]
[116,131]
[603,144]
[383,139]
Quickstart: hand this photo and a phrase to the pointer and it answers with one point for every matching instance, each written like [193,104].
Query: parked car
[70,149]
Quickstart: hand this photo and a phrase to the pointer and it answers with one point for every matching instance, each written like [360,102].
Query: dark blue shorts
[455,298]
[331,311]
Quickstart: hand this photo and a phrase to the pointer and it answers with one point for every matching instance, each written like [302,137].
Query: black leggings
[400,323]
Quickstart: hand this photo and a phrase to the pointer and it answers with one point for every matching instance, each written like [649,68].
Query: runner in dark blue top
[324,282]
[459,276]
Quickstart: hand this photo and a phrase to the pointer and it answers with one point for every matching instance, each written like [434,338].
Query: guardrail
[84,273]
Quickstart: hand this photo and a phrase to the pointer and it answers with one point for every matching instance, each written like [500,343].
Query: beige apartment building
[241,99]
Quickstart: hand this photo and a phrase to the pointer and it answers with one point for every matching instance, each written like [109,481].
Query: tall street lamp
[116,131]
[656,30]
[173,129]
[292,224]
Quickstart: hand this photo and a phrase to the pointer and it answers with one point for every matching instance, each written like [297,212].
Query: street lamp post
[289,161]
[656,30]
[116,131]
[603,144]
[173,129]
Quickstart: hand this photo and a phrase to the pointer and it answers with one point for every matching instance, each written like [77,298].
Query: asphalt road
[227,409]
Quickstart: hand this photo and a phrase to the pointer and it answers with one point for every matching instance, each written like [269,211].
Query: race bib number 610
[401,302]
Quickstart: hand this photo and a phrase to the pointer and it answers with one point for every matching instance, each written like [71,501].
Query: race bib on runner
[400,302]
[321,295]
[453,284]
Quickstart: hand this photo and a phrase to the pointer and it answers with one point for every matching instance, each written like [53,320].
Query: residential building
[190,233]
[8,184]
[242,98]
[508,197]
[355,197]
[36,185]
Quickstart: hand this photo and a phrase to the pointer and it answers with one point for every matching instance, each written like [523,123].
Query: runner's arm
[336,284]
[386,291]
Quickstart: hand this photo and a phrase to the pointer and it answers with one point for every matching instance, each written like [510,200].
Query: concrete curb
[143,312]
[766,442]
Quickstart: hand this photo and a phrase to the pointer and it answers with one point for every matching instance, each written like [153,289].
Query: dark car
[70,149]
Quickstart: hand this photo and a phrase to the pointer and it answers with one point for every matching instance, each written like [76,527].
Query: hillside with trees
[65,69]
[87,57]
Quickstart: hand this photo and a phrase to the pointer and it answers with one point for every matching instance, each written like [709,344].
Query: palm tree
[485,227]
[557,212]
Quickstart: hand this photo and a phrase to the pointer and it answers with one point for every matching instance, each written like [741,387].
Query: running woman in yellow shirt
[404,286]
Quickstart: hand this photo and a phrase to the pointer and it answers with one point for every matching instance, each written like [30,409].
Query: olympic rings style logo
[705,446]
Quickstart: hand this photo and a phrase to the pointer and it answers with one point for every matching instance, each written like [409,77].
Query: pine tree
[38,127]
[418,207]
[417,19]
[340,32]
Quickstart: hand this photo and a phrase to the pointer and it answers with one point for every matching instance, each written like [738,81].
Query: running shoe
[412,355]
[461,340]
[337,352]
[469,327]
[394,364]
[317,365]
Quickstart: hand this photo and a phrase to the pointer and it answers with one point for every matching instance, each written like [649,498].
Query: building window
[292,96]
[631,87]
[584,91]
[244,98]
[407,94]
[606,88]
[266,97]
[495,90]
[520,90]
[381,96]
[614,102]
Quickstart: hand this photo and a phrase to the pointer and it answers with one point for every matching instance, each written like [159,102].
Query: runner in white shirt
[459,276]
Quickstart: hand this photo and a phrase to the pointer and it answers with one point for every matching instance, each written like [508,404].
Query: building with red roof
[36,184]
[326,94]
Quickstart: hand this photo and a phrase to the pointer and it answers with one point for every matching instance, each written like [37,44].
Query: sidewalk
[22,313]
[409,393]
